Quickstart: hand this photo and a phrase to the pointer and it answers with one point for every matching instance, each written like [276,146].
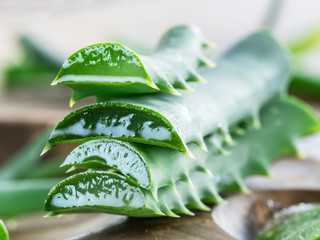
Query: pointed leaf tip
[189,154]
[153,85]
[46,149]
[174,189]
[174,92]
[54,82]
[206,62]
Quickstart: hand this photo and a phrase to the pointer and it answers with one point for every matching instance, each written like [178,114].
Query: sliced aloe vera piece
[303,226]
[250,74]
[113,154]
[283,122]
[110,69]
[139,165]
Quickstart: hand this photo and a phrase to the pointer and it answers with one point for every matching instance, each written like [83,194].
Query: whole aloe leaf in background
[283,121]
[249,75]
[110,70]
[24,196]
[26,159]
[16,181]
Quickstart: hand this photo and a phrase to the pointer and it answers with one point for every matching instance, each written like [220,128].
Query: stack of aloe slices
[152,150]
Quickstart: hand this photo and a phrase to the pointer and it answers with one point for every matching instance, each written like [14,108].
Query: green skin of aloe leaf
[4,235]
[283,121]
[254,71]
[109,70]
[303,226]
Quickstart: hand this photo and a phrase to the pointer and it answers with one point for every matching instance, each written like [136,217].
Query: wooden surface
[244,216]
[36,227]
[199,227]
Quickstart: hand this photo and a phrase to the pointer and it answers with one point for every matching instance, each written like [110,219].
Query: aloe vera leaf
[49,169]
[36,50]
[111,69]
[18,197]
[305,85]
[253,71]
[306,42]
[179,167]
[137,164]
[143,165]
[4,235]
[26,159]
[82,193]
[37,68]
[114,154]
[303,226]
[283,121]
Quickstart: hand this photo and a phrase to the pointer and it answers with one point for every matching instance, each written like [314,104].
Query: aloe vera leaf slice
[303,226]
[114,154]
[4,235]
[111,69]
[18,197]
[282,122]
[137,164]
[253,71]
[83,191]
[120,121]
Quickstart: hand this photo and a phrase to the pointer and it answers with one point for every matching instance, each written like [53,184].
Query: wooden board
[245,216]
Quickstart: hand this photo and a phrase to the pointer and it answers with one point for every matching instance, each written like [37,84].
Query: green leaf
[303,226]
[254,71]
[23,162]
[306,42]
[110,70]
[305,85]
[114,154]
[37,68]
[283,122]
[18,197]
[183,183]
[49,169]
[4,235]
